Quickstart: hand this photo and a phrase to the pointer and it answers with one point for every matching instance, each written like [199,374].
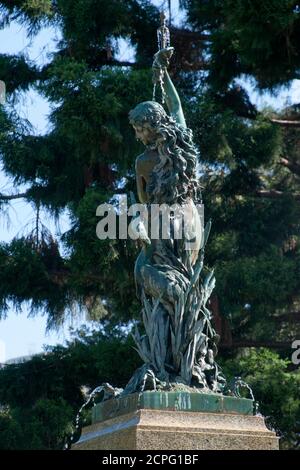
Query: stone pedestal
[176,421]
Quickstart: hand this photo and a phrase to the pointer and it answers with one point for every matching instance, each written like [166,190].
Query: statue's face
[145,133]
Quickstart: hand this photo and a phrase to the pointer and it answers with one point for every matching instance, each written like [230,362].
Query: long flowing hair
[173,179]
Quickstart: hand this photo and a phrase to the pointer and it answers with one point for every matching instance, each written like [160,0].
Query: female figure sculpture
[179,344]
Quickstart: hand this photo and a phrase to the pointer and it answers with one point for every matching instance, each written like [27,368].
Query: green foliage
[32,13]
[89,359]
[38,413]
[41,397]
[32,8]
[268,280]
[251,37]
[35,270]
[226,138]
[275,387]
[44,426]
[17,72]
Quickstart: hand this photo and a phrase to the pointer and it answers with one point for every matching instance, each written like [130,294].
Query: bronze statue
[179,346]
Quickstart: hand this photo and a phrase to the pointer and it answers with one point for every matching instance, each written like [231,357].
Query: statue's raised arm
[161,76]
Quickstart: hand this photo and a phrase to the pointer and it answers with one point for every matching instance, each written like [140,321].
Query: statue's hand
[162,57]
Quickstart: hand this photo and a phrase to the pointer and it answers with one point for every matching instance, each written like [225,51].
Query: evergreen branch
[191,35]
[293,167]
[98,59]
[283,122]
[274,194]
[288,316]
[114,62]
[17,72]
[9,197]
[122,63]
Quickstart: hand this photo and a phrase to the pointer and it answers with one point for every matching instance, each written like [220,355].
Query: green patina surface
[171,401]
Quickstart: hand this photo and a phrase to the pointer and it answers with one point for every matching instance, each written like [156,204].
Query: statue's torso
[144,166]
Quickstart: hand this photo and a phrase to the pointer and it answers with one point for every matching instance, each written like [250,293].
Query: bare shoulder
[140,159]
[145,164]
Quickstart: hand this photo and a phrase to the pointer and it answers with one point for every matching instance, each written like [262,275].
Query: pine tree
[81,162]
